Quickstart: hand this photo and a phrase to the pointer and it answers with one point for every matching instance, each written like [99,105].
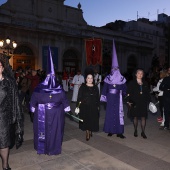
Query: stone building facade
[37,24]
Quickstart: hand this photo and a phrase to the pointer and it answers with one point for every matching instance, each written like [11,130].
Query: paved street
[101,152]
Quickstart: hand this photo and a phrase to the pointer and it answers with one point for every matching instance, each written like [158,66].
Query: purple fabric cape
[115,77]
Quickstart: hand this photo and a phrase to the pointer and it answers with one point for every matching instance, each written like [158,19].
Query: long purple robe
[112,94]
[48,121]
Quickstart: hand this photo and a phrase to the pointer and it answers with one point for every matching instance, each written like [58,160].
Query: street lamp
[7,47]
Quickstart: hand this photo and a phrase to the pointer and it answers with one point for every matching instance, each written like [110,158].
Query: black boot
[109,134]
[121,136]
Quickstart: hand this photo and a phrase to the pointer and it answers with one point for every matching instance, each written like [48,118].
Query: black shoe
[143,135]
[7,168]
[121,136]
[109,134]
[135,133]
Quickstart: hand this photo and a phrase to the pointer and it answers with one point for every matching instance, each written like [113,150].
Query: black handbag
[16,137]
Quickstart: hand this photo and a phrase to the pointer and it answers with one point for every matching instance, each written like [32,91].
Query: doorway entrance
[23,58]
[70,61]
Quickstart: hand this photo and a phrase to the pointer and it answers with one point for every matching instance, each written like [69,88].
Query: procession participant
[165,87]
[114,88]
[163,74]
[65,81]
[138,100]
[35,80]
[97,79]
[77,81]
[89,101]
[49,102]
[71,76]
[11,119]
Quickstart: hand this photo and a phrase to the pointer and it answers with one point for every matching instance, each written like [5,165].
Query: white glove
[77,110]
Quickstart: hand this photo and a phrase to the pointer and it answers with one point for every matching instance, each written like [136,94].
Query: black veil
[7,67]
[14,108]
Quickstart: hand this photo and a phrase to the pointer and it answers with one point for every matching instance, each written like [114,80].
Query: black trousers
[167,114]
[160,98]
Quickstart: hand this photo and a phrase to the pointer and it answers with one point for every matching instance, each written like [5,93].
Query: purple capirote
[114,77]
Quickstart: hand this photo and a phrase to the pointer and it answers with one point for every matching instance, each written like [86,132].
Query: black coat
[11,117]
[89,108]
[165,87]
[140,97]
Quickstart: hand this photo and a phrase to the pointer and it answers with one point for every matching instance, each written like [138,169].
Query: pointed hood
[50,65]
[114,57]
[50,84]
[115,76]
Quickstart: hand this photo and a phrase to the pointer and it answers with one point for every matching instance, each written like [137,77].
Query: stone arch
[23,57]
[71,60]
[23,49]
[131,63]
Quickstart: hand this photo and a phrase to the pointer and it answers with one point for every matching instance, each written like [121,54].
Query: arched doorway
[23,58]
[70,61]
[131,64]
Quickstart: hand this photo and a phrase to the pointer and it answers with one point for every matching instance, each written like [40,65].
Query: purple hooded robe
[49,104]
[114,88]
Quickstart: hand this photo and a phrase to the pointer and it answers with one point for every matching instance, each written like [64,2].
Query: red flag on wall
[93,51]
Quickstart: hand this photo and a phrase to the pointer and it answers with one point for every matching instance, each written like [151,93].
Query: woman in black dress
[138,99]
[88,95]
[10,115]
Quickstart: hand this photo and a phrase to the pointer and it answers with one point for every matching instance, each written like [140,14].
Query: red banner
[93,51]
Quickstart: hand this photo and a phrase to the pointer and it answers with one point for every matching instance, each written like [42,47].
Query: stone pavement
[101,152]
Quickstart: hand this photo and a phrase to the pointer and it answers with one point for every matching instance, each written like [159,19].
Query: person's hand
[77,110]
[19,139]
[129,104]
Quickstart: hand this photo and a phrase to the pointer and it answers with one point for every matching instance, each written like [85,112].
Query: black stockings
[143,123]
[4,153]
